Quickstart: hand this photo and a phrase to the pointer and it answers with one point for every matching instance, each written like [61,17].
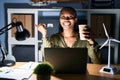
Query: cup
[81,29]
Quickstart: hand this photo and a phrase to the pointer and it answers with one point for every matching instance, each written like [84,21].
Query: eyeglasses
[67,18]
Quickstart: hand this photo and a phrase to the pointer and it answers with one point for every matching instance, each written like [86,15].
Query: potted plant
[44,71]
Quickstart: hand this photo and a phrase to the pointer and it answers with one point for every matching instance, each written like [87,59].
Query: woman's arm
[94,53]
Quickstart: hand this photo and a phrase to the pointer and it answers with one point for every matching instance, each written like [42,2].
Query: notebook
[19,73]
[67,60]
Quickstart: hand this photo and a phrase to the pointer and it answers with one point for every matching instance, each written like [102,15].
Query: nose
[67,18]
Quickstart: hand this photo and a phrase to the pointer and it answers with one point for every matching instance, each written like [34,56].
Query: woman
[69,36]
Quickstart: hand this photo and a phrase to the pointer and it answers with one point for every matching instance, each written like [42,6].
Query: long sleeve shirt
[57,41]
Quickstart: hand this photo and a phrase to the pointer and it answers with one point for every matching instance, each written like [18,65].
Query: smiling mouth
[66,23]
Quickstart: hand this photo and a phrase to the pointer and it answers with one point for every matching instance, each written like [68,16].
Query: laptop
[67,60]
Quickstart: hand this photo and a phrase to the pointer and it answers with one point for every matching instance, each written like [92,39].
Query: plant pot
[43,77]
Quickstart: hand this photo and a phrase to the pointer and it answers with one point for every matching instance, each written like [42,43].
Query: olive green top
[57,41]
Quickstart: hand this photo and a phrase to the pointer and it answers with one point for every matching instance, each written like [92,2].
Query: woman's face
[67,20]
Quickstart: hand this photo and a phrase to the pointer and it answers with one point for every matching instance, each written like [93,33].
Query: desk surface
[93,74]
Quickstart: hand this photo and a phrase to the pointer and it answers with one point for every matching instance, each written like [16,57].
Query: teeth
[66,23]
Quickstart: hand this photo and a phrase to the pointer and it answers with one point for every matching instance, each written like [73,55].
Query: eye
[67,18]
[71,17]
[62,17]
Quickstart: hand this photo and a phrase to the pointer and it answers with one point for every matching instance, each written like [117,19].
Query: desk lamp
[21,34]
[108,69]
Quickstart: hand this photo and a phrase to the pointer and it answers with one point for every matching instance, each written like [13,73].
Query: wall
[117,4]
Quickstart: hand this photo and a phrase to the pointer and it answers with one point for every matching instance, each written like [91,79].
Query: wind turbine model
[108,68]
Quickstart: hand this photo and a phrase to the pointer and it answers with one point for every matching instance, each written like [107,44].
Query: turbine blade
[105,30]
[104,44]
[115,40]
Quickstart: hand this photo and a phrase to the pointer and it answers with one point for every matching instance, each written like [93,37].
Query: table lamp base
[109,70]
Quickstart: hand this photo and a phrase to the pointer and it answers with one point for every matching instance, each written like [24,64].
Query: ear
[76,20]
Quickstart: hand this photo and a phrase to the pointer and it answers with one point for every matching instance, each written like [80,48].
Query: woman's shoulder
[55,35]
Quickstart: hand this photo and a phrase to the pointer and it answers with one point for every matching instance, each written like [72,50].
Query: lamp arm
[20,35]
[3,53]
[4,29]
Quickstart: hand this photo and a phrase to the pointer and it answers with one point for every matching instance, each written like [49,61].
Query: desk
[92,74]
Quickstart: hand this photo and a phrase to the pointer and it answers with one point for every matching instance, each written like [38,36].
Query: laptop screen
[67,60]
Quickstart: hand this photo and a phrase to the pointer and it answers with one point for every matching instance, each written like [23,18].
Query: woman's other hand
[87,35]
[42,28]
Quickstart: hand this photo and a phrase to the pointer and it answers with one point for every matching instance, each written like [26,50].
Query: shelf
[102,4]
[29,41]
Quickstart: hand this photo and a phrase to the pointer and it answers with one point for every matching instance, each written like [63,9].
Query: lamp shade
[21,33]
